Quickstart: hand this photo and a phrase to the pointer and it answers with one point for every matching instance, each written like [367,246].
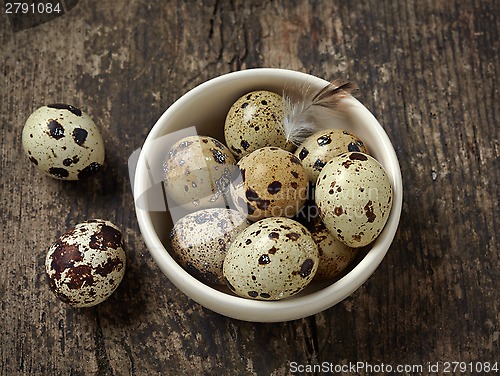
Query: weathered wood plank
[427,69]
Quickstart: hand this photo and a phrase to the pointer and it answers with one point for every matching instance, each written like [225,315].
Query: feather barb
[302,116]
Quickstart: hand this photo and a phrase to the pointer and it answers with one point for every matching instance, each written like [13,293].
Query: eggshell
[272,259]
[87,263]
[200,240]
[271,183]
[334,256]
[63,142]
[254,121]
[198,172]
[354,198]
[322,146]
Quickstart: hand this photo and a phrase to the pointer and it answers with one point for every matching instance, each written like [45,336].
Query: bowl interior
[203,111]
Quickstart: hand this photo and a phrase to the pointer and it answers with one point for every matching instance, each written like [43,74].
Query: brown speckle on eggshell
[334,256]
[254,121]
[63,142]
[200,241]
[322,146]
[272,183]
[198,172]
[354,198]
[87,263]
[280,259]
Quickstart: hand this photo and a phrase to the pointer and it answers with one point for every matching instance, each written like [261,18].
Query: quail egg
[322,146]
[354,195]
[254,121]
[271,259]
[271,183]
[200,240]
[334,256]
[198,172]
[87,263]
[63,142]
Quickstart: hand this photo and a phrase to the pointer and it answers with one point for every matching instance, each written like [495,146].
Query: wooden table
[429,72]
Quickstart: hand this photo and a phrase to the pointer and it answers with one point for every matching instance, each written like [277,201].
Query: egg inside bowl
[203,111]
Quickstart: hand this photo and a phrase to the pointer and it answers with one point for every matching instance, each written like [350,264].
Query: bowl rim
[257,310]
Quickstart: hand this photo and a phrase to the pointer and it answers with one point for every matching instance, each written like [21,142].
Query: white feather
[305,113]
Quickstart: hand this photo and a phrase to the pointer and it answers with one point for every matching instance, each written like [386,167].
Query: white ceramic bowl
[206,107]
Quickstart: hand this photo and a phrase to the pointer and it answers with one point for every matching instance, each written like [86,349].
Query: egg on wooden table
[354,198]
[87,263]
[63,142]
[271,259]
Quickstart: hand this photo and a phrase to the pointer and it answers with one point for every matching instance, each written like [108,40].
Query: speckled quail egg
[354,198]
[87,263]
[63,141]
[200,241]
[254,121]
[198,172]
[271,183]
[334,256]
[322,146]
[271,259]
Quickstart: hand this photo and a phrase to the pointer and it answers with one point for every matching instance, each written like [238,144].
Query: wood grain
[429,72]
